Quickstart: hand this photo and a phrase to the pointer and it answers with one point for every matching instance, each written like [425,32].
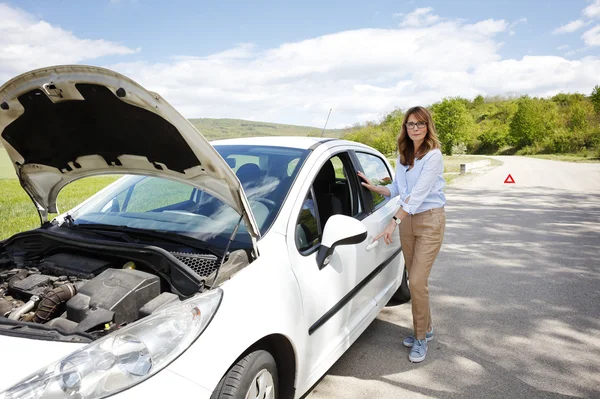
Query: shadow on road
[516,305]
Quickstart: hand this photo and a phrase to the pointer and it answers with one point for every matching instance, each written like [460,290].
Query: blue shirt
[423,183]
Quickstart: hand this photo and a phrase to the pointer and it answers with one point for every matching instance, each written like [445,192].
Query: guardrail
[467,167]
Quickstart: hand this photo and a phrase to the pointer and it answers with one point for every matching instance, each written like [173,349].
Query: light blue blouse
[423,183]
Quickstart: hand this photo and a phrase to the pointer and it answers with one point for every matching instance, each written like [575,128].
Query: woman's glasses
[418,125]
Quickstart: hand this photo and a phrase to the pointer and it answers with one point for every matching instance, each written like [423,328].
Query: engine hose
[52,300]
[20,311]
[17,277]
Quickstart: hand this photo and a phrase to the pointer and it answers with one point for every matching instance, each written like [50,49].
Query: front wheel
[402,295]
[253,377]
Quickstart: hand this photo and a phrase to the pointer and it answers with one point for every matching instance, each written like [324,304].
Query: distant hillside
[232,128]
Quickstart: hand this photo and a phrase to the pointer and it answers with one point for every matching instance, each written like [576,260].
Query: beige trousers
[421,236]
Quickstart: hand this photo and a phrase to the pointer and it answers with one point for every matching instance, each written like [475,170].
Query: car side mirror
[339,230]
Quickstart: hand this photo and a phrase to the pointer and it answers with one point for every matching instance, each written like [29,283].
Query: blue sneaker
[418,351]
[409,341]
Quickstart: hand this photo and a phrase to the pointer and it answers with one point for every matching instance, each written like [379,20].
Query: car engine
[78,294]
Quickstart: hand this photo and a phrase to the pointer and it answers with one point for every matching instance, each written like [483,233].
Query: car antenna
[233,234]
[326,122]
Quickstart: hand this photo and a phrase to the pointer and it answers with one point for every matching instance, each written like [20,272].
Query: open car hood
[59,124]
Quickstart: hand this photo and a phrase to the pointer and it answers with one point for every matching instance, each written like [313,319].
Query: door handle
[372,245]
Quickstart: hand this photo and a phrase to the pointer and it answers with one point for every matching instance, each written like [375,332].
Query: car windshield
[154,203]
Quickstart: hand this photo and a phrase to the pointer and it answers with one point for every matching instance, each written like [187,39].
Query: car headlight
[123,358]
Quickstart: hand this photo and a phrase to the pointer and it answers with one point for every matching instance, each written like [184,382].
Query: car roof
[276,141]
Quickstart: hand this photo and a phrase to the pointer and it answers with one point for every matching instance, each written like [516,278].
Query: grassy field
[452,165]
[568,158]
[6,169]
[19,213]
[214,129]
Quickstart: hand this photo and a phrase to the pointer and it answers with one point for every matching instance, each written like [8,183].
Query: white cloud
[29,43]
[487,27]
[511,27]
[361,74]
[592,36]
[419,18]
[570,27]
[563,47]
[593,10]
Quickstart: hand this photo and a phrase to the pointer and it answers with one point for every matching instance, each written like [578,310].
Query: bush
[534,119]
[563,141]
[459,149]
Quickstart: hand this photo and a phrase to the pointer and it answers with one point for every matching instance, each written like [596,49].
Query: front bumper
[22,356]
[165,384]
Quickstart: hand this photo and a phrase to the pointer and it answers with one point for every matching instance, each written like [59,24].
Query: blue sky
[290,62]
[199,28]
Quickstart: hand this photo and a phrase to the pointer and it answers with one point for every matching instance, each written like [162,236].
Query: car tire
[402,294]
[253,376]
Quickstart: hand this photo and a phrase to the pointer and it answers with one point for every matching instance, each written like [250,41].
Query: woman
[421,217]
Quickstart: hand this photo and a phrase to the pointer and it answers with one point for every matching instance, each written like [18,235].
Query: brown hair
[406,147]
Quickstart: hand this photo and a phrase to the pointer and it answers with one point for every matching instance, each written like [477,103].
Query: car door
[336,297]
[381,209]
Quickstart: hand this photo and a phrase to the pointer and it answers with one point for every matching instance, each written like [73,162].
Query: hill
[232,128]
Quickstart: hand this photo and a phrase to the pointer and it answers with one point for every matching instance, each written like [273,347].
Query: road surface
[515,296]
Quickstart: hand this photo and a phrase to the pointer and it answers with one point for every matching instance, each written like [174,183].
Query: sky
[291,62]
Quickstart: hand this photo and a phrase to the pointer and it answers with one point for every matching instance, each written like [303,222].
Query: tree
[566,100]
[595,97]
[578,116]
[453,122]
[534,119]
[478,101]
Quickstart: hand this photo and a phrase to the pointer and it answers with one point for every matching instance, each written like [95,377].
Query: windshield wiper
[160,235]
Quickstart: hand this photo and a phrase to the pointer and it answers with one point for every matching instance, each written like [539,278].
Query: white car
[234,269]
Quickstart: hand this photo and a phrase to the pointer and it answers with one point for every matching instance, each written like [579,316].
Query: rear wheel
[402,295]
[253,377]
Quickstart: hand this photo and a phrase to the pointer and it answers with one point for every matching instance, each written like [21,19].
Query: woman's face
[416,133]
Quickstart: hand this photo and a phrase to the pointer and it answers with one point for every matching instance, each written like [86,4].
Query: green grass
[452,165]
[19,213]
[452,162]
[6,169]
[581,158]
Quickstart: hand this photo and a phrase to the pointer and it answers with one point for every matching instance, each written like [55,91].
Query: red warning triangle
[509,179]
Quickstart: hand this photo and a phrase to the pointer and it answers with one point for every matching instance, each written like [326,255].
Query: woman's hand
[367,183]
[387,233]
[383,190]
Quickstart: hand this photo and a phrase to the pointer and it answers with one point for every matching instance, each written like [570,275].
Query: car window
[331,193]
[292,165]
[241,160]
[152,194]
[161,204]
[307,228]
[338,166]
[376,170]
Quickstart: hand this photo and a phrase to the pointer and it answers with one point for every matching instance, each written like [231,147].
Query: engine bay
[89,289]
[78,294]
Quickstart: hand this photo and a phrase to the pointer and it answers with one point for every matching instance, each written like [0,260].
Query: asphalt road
[515,296]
